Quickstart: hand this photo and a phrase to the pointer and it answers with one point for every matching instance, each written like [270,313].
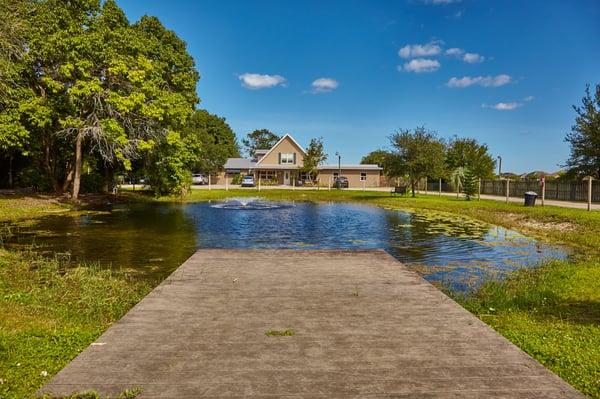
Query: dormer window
[287,158]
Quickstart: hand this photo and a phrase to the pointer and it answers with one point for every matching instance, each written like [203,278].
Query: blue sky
[504,72]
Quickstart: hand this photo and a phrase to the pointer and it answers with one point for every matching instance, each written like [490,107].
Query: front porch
[278,177]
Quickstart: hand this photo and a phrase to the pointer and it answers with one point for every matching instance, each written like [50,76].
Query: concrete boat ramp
[303,324]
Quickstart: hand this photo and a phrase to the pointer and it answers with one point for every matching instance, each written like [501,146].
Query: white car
[198,178]
[248,181]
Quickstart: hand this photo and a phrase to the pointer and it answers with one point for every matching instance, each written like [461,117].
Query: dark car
[341,182]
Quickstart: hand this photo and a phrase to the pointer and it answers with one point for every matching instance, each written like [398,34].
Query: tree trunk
[412,186]
[49,169]
[109,176]
[68,180]
[78,164]
[10,172]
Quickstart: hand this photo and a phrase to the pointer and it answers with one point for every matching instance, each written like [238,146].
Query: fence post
[507,189]
[426,186]
[329,184]
[258,182]
[479,189]
[209,185]
[589,196]
[226,182]
[543,191]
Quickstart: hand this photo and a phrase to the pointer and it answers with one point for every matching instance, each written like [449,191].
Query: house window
[335,175]
[267,175]
[363,176]
[287,158]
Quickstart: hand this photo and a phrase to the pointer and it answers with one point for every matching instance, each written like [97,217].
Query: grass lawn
[50,313]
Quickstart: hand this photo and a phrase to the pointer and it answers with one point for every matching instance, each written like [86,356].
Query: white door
[286,178]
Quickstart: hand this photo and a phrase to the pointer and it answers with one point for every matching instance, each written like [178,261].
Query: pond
[151,240]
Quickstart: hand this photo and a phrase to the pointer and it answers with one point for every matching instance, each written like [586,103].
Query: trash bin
[530,197]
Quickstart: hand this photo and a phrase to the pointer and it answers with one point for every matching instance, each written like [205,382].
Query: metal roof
[239,163]
[350,167]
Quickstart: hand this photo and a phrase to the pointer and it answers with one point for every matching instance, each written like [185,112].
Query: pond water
[151,240]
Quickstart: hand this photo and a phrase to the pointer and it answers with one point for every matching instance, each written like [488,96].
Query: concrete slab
[364,326]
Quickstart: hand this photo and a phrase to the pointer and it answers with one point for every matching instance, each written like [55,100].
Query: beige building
[281,164]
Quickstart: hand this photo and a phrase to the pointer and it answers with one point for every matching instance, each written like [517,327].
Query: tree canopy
[315,156]
[418,153]
[94,85]
[377,157]
[260,139]
[215,141]
[468,153]
[584,137]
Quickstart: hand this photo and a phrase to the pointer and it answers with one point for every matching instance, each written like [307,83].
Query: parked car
[248,181]
[341,182]
[198,178]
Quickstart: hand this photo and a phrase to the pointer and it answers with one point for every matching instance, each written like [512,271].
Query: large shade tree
[14,29]
[260,139]
[102,88]
[467,153]
[584,137]
[416,153]
[214,140]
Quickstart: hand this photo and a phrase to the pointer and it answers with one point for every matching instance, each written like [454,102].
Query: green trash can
[530,197]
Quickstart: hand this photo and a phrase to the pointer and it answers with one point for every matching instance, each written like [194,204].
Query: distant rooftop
[351,167]
[239,163]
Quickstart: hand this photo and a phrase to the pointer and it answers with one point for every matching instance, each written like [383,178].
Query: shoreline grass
[51,312]
[551,312]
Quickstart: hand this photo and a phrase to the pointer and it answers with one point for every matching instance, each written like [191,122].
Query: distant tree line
[85,94]
[584,137]
[419,153]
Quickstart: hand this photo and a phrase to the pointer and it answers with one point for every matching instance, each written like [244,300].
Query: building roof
[239,163]
[350,167]
[280,140]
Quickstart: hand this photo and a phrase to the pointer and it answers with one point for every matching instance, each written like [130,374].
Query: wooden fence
[555,190]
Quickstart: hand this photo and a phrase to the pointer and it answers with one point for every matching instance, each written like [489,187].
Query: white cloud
[455,52]
[484,81]
[503,106]
[255,81]
[324,85]
[420,50]
[420,65]
[473,58]
[529,98]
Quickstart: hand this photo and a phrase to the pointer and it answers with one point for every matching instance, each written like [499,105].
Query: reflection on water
[153,239]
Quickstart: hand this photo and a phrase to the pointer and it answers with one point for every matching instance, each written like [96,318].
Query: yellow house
[281,164]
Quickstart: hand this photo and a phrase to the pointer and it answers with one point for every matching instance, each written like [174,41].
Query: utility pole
[499,166]
[337,154]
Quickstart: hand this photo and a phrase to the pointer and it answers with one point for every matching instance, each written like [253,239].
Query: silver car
[248,181]
[198,178]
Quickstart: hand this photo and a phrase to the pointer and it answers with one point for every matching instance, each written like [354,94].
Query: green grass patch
[127,394]
[280,333]
[16,207]
[51,311]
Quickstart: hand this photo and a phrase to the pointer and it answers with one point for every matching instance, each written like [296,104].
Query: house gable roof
[285,136]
